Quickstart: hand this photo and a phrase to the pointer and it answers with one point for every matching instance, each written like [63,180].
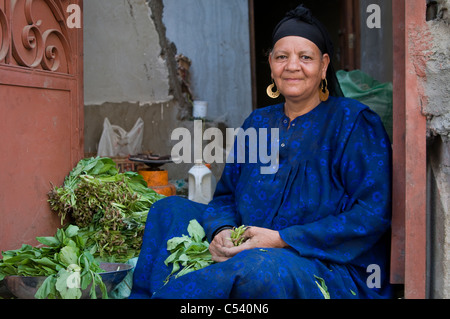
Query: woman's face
[298,67]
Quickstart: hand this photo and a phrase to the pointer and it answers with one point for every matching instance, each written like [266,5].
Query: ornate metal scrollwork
[36,32]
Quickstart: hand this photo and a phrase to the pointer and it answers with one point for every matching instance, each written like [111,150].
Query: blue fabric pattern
[330,199]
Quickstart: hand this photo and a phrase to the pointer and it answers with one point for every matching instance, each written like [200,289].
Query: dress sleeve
[364,166]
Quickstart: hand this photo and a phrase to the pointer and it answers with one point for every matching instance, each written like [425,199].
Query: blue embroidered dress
[330,199]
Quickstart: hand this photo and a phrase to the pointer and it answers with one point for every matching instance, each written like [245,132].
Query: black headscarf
[300,22]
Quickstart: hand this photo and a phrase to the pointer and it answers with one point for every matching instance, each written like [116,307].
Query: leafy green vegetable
[110,207]
[65,261]
[196,231]
[190,252]
[68,255]
[68,283]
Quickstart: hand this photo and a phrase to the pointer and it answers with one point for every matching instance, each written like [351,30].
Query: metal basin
[26,287]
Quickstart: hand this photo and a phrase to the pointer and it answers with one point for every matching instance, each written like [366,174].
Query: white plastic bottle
[200,183]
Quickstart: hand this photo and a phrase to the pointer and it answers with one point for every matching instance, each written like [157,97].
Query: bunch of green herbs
[237,235]
[109,207]
[64,260]
[188,253]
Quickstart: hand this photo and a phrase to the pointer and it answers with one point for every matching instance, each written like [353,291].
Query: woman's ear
[325,63]
[270,63]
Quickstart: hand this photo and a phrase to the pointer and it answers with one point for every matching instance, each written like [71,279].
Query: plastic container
[200,183]
[158,181]
[200,109]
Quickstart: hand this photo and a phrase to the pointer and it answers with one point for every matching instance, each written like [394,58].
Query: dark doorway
[340,17]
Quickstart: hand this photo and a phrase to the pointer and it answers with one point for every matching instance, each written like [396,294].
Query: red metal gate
[41,113]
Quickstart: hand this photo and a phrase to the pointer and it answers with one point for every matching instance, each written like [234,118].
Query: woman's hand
[222,248]
[256,237]
[221,245]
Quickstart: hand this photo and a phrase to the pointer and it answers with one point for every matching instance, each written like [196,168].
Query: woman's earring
[324,94]
[271,93]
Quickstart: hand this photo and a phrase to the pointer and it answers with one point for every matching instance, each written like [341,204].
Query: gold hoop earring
[271,93]
[324,94]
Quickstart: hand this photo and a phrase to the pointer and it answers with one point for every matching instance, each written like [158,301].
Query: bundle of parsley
[109,207]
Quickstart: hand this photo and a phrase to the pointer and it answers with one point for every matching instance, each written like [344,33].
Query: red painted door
[41,113]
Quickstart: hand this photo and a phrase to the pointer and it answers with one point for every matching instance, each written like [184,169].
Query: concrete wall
[435,74]
[126,76]
[122,54]
[439,217]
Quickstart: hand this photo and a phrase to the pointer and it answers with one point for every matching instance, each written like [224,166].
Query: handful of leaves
[109,207]
[237,235]
[64,260]
[191,253]
[188,253]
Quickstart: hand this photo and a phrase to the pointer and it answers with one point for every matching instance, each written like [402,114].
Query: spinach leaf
[68,255]
[188,253]
[67,264]
[68,284]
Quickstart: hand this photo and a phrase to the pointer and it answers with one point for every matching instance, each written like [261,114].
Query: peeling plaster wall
[432,65]
[129,73]
[437,73]
[122,54]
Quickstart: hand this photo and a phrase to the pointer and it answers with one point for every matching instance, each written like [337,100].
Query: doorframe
[349,33]
[409,218]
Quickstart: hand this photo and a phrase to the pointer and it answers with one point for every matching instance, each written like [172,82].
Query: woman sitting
[324,212]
